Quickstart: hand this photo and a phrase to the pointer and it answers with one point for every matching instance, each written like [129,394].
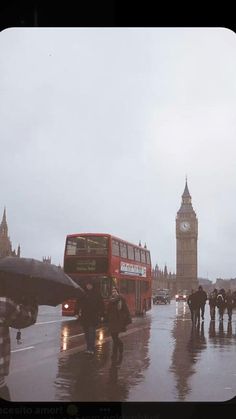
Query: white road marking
[74,336]
[23,349]
[53,321]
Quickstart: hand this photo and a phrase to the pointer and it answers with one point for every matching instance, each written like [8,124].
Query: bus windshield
[96,245]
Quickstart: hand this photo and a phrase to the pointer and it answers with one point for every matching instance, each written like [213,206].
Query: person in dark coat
[189,302]
[212,303]
[91,312]
[202,297]
[229,302]
[195,307]
[220,302]
[17,315]
[118,317]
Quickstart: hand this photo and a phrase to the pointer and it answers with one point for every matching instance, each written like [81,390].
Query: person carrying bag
[118,318]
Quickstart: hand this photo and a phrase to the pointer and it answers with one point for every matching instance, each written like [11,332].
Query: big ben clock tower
[186,244]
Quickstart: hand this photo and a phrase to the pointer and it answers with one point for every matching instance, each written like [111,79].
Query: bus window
[123,250]
[137,254]
[115,248]
[97,242]
[143,259]
[130,252]
[71,247]
[97,245]
[80,245]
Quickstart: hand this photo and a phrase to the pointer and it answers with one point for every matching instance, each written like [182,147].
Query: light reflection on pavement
[165,359]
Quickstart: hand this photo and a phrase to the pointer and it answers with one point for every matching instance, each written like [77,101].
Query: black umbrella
[31,278]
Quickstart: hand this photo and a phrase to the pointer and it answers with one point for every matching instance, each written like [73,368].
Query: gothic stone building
[186,244]
[162,279]
[5,243]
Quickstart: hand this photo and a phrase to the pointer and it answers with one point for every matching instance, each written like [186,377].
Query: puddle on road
[165,361]
[82,378]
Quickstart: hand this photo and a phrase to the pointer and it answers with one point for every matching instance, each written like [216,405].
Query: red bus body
[108,260]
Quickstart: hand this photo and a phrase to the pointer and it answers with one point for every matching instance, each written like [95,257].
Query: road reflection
[190,341]
[221,335]
[84,378]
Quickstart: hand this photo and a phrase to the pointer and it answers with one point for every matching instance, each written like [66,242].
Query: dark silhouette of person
[17,315]
[91,309]
[212,303]
[229,302]
[202,297]
[220,301]
[194,302]
[118,317]
[189,302]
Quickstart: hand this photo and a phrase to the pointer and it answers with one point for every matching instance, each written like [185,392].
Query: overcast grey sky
[99,127]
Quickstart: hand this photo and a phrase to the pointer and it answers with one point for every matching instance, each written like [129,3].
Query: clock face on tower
[184,226]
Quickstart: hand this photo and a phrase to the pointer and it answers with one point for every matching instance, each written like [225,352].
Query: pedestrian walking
[17,315]
[212,303]
[195,303]
[229,302]
[189,302]
[118,317]
[220,302]
[91,310]
[202,296]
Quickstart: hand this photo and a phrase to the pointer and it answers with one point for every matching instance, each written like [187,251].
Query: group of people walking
[21,314]
[222,300]
[217,299]
[91,312]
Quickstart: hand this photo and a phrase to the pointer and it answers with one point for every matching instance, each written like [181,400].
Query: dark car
[161,298]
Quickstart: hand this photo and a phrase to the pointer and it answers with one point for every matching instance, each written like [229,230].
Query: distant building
[225,283]
[206,284]
[162,279]
[47,259]
[5,243]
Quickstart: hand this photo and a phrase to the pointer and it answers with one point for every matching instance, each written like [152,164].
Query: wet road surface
[165,359]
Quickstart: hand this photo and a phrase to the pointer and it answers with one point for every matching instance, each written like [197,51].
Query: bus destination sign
[130,269]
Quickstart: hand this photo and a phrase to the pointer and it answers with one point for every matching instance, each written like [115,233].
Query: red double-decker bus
[108,260]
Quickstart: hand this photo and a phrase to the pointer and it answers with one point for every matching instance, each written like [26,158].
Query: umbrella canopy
[31,278]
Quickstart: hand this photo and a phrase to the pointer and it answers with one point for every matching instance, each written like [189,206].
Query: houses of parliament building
[5,242]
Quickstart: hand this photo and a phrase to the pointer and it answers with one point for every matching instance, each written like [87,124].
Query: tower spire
[4,217]
[3,225]
[186,193]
